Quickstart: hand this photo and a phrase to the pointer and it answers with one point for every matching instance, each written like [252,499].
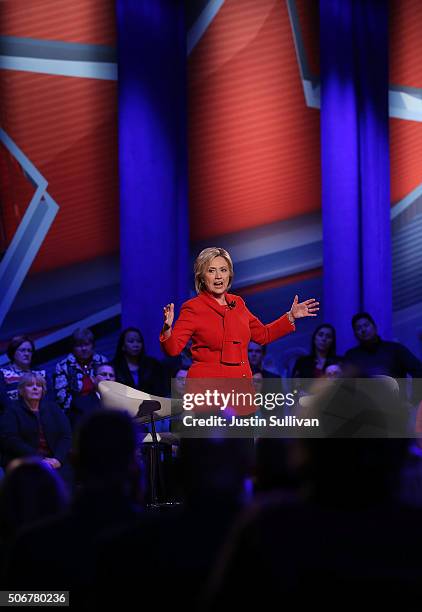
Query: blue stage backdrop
[355,163]
[152,162]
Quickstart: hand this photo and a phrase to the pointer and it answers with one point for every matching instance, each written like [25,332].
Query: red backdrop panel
[67,127]
[253,143]
[81,21]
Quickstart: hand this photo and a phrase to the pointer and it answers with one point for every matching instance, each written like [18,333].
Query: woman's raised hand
[168,316]
[308,308]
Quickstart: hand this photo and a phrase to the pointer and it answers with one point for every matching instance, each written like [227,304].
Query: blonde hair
[28,377]
[202,262]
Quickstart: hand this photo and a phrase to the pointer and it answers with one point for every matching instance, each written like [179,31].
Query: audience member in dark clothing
[60,553]
[29,492]
[134,368]
[375,356]
[348,541]
[179,545]
[20,351]
[34,426]
[85,404]
[256,354]
[323,347]
[75,373]
[179,377]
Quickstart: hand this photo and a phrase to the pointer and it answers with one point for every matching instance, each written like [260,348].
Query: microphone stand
[147,409]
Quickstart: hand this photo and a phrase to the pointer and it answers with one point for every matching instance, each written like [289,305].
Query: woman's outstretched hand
[308,308]
[168,316]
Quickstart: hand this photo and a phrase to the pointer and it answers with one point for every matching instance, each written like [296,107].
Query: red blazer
[220,336]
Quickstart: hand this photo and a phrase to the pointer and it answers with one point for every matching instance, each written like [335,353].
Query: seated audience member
[179,382]
[20,351]
[374,356]
[84,404]
[75,374]
[29,492]
[134,368]
[256,355]
[333,552]
[63,550]
[33,426]
[213,473]
[323,347]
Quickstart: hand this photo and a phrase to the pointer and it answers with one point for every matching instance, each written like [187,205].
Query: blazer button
[244,375]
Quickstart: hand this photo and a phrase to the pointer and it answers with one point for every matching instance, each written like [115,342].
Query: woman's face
[217,276]
[23,356]
[33,390]
[323,339]
[132,344]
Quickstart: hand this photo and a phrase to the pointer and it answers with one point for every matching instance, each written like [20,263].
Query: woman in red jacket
[219,323]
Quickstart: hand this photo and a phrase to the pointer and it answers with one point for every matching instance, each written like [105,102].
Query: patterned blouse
[70,375]
[12,375]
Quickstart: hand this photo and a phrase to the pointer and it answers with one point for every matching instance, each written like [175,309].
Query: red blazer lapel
[231,353]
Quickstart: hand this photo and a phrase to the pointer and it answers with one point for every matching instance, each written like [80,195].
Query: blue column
[154,233]
[355,164]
